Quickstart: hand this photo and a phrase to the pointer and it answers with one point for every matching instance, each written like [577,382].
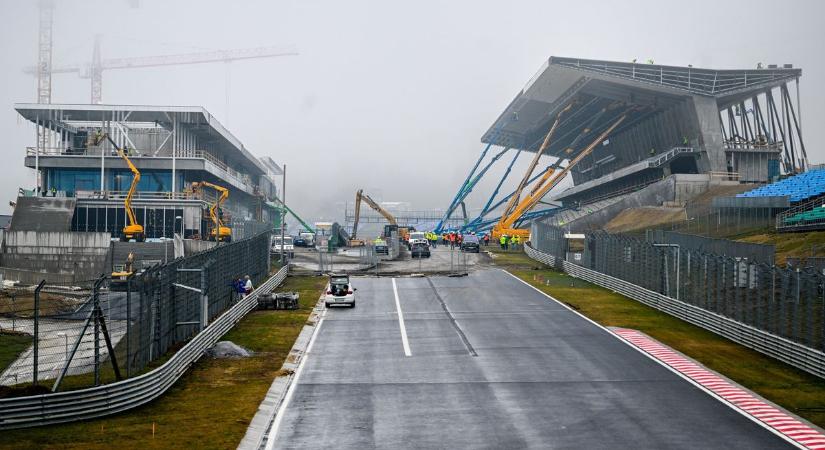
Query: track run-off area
[487,361]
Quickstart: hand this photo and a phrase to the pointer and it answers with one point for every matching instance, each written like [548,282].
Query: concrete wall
[190,247]
[146,254]
[54,256]
[655,194]
[689,186]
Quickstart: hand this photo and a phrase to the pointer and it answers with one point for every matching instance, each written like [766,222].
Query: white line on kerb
[276,425]
[404,340]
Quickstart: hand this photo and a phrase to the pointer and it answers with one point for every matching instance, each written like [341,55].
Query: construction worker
[685,141]
[502,241]
[516,241]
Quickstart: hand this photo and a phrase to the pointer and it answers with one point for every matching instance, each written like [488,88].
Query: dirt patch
[644,217]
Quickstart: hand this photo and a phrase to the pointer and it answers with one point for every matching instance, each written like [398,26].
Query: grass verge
[11,346]
[210,406]
[791,388]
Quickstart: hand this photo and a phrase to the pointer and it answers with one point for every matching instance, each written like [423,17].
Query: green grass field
[11,345]
[795,390]
[210,407]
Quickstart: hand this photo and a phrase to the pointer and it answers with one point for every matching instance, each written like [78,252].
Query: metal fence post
[36,337]
[129,325]
[96,318]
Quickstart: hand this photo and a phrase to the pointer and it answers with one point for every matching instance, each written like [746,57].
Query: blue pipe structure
[466,185]
[498,187]
[456,200]
[473,223]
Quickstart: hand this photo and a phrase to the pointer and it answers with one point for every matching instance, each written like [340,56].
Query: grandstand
[799,188]
[686,130]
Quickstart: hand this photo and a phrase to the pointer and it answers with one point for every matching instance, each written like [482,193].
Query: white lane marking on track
[279,416]
[652,358]
[404,340]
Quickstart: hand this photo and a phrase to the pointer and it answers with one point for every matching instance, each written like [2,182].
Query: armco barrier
[116,397]
[795,354]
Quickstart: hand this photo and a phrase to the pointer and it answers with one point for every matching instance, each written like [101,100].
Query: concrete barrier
[56,256]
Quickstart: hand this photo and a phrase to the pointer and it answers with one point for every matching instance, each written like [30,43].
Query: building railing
[228,172]
[139,195]
[241,178]
[726,176]
[782,223]
[657,161]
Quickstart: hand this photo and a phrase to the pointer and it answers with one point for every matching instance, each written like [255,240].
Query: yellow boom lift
[219,231]
[515,209]
[132,230]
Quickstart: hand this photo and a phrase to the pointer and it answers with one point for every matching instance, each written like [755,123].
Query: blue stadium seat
[798,188]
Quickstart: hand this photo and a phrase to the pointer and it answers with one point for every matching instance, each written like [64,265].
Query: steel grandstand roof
[593,85]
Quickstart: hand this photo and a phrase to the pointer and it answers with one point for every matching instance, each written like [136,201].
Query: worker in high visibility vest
[503,241]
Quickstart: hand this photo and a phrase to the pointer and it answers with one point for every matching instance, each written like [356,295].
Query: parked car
[298,241]
[381,248]
[470,243]
[339,291]
[420,250]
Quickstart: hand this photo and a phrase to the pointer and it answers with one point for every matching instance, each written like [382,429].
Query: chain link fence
[787,302]
[105,330]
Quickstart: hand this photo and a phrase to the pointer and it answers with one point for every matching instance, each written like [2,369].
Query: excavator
[517,207]
[219,231]
[132,230]
[403,232]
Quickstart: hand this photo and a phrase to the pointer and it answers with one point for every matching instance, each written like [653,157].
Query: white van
[288,246]
[418,237]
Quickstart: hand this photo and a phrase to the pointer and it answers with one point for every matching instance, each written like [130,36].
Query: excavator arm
[361,196]
[374,205]
[358,195]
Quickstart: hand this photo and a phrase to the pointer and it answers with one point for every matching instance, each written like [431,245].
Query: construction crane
[296,216]
[219,231]
[94,69]
[516,209]
[393,223]
[133,230]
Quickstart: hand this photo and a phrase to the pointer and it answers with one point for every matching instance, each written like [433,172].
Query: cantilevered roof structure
[198,121]
[728,120]
[594,84]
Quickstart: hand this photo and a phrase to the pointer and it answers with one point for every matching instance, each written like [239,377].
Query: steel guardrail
[782,349]
[99,401]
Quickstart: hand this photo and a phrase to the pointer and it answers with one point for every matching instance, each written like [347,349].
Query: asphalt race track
[492,364]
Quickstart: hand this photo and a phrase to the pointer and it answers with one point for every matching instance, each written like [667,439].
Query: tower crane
[94,69]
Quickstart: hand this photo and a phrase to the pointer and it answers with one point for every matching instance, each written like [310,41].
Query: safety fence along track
[123,395]
[783,349]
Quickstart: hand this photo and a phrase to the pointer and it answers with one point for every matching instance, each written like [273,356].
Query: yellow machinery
[359,196]
[132,230]
[219,231]
[517,207]
[120,275]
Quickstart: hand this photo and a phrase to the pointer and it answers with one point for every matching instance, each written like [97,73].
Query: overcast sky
[391,97]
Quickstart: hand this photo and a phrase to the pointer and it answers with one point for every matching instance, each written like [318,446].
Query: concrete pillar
[708,129]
